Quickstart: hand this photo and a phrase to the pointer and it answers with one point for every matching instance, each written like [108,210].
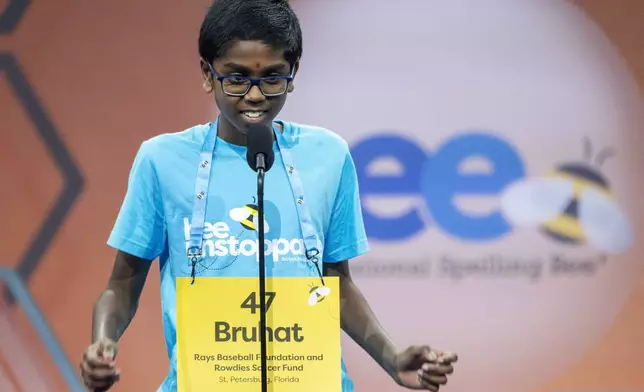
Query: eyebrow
[274,68]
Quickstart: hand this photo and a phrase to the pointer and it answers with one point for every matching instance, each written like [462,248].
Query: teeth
[253,114]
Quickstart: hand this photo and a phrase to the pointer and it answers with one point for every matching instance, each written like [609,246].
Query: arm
[139,236]
[359,322]
[417,367]
[113,312]
[117,305]
[345,239]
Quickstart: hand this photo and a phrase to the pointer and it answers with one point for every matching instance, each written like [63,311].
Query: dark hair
[270,21]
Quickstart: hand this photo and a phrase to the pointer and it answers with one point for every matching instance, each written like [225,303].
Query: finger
[426,384]
[428,354]
[433,379]
[94,361]
[109,352]
[104,385]
[98,373]
[447,358]
[100,387]
[101,353]
[100,383]
[431,387]
[106,350]
[419,351]
[437,369]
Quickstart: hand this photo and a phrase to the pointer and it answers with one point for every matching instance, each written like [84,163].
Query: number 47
[251,302]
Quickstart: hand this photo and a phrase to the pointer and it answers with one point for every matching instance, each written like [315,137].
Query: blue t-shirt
[154,220]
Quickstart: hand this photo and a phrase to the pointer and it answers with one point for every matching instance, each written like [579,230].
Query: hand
[97,367]
[420,367]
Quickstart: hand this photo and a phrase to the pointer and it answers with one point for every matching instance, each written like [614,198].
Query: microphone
[260,154]
[260,157]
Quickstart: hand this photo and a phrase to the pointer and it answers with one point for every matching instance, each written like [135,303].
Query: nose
[254,95]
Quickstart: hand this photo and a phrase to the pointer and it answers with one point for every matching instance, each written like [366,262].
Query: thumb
[420,353]
[109,353]
[107,350]
[429,354]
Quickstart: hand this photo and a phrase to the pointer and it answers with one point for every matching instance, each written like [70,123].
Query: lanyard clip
[194,254]
[312,253]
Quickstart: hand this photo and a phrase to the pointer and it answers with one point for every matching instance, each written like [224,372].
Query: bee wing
[313,298]
[605,225]
[533,201]
[324,290]
[256,222]
[238,214]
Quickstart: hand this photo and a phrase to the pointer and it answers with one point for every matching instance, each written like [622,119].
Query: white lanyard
[195,249]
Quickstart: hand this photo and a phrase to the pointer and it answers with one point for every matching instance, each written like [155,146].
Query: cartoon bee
[247,216]
[318,294]
[573,204]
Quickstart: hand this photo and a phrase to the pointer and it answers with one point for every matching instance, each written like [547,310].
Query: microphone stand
[262,270]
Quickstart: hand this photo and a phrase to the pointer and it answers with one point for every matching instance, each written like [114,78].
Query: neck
[228,133]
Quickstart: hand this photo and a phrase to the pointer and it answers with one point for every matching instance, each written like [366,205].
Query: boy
[250,51]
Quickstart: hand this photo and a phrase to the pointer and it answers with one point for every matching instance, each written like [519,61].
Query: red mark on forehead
[258,65]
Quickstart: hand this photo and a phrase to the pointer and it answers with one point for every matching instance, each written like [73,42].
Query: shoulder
[169,144]
[306,135]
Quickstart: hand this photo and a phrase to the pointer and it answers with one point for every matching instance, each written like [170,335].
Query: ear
[206,75]
[296,68]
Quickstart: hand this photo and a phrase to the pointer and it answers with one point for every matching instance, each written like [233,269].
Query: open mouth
[253,115]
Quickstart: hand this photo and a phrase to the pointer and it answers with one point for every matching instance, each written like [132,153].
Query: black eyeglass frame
[251,82]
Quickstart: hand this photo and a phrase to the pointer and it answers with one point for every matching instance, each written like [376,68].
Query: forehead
[252,54]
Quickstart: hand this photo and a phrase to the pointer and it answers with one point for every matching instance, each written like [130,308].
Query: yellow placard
[218,335]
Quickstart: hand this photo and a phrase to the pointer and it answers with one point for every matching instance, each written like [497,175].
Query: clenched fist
[98,368]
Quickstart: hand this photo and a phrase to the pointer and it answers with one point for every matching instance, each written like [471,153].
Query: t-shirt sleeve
[140,225]
[346,237]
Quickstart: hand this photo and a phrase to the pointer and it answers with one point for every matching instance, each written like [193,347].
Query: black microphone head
[260,141]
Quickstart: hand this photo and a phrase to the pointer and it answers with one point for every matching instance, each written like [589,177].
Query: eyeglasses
[238,86]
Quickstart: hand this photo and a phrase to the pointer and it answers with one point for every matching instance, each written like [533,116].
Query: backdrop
[447,105]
